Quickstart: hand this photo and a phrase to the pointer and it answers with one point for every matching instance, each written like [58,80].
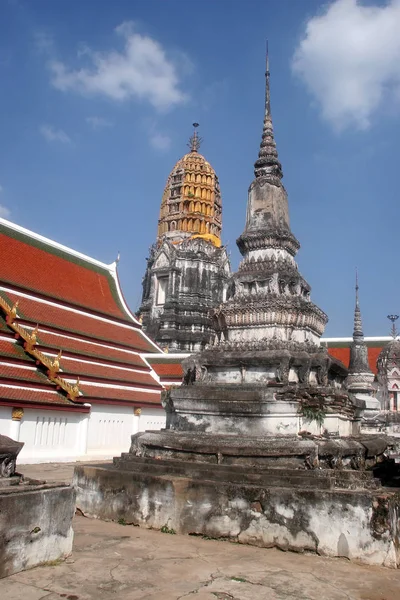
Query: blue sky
[96,105]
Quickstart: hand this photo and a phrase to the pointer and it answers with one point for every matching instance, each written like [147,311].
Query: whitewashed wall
[110,430]
[63,436]
[151,418]
[5,421]
[51,436]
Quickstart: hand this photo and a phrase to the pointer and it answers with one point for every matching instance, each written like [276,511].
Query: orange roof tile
[343,354]
[33,311]
[75,367]
[38,266]
[35,396]
[168,369]
[65,293]
[115,393]
[16,373]
[78,346]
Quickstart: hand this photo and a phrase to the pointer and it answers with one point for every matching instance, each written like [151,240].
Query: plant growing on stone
[166,529]
[313,412]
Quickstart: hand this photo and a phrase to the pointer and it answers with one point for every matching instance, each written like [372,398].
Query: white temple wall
[5,421]
[151,418]
[50,435]
[67,436]
[110,430]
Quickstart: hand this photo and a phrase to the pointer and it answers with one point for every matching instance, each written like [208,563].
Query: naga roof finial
[267,166]
[195,140]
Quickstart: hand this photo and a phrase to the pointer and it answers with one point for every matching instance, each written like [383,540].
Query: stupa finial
[358,330]
[195,140]
[393,330]
[267,88]
[267,166]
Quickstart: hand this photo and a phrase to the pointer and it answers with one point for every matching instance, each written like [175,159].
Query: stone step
[317,479]
[205,466]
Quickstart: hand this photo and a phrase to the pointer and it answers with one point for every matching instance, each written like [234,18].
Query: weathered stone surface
[35,525]
[361,525]
[116,562]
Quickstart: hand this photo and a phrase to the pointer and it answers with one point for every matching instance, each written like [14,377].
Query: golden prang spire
[191,204]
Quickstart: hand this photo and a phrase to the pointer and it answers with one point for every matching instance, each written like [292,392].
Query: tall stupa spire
[360,376]
[270,304]
[358,330]
[267,88]
[267,166]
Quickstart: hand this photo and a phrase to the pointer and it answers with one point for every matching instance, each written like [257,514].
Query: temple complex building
[188,269]
[73,379]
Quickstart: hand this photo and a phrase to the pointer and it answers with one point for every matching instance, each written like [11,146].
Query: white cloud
[98,122]
[159,141]
[44,42]
[349,58]
[4,212]
[141,70]
[51,134]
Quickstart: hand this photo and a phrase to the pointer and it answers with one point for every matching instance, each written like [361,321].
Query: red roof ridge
[56,245]
[87,312]
[17,239]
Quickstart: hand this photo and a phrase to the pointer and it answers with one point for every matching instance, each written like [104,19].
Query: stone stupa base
[234,489]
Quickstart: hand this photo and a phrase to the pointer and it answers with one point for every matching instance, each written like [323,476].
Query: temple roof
[67,337]
[56,267]
[168,367]
[191,202]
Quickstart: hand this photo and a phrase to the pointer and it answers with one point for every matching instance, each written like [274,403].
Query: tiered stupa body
[270,300]
[188,269]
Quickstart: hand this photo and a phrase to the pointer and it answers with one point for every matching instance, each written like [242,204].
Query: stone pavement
[120,562]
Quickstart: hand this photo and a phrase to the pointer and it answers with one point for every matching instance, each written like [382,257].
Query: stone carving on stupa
[188,269]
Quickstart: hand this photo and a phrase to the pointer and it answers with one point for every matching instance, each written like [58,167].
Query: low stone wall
[361,525]
[35,525]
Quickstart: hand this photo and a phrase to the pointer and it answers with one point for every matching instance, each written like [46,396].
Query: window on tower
[162,284]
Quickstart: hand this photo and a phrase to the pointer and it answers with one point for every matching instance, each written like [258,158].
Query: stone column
[136,420]
[16,418]
[84,433]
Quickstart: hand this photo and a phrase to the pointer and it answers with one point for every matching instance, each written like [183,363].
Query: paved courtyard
[118,562]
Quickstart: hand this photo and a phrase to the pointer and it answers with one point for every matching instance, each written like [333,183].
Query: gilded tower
[191,203]
[188,268]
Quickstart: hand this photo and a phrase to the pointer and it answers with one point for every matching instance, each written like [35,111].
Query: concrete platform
[35,523]
[112,561]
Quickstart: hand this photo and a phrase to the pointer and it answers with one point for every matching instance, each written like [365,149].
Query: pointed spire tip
[195,140]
